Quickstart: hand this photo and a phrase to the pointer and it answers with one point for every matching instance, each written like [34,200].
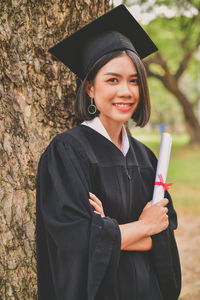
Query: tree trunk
[192,124]
[37,96]
[170,82]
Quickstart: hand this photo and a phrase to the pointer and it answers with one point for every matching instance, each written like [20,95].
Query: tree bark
[37,96]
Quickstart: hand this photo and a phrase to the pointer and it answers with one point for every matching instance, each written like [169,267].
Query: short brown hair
[141,115]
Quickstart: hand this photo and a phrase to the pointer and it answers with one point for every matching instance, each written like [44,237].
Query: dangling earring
[92,108]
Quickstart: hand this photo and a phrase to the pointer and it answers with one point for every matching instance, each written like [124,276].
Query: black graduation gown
[78,251]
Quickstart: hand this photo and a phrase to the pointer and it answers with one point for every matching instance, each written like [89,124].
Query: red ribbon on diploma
[161,182]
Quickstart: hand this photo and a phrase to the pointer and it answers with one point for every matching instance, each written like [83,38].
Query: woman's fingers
[155,216]
[148,204]
[94,198]
[163,202]
[96,203]
[165,209]
[97,208]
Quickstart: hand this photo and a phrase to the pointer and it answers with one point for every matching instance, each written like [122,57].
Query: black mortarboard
[115,30]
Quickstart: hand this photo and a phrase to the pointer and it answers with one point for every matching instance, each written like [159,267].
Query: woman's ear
[90,89]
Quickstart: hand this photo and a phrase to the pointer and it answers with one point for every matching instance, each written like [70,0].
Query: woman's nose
[124,90]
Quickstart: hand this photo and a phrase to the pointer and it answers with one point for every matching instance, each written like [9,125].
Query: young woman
[98,236]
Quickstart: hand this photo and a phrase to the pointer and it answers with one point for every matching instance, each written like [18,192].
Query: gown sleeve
[75,246]
[165,253]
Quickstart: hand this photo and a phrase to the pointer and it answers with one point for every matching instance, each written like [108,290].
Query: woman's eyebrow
[117,74]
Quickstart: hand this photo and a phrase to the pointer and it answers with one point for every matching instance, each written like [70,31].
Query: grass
[184,169]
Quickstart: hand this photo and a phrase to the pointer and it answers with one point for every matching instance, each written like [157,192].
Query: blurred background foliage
[174,73]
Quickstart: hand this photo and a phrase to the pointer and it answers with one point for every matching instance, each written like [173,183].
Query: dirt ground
[188,240]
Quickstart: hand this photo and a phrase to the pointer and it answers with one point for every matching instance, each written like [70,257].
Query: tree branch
[159,60]
[184,63]
[152,74]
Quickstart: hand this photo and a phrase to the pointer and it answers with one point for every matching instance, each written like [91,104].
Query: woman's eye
[112,79]
[134,81]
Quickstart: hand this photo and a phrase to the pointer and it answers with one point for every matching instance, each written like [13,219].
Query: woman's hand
[137,235]
[96,203]
[155,216]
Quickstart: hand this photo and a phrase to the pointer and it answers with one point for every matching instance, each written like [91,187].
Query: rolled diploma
[162,166]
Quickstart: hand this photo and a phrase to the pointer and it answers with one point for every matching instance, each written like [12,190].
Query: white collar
[97,125]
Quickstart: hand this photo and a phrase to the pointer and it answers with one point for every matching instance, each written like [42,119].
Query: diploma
[162,167]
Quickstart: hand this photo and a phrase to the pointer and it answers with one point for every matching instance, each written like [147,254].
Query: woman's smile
[123,106]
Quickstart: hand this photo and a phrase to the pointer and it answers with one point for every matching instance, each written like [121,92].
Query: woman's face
[116,90]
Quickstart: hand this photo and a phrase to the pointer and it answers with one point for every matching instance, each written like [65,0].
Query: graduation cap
[115,30]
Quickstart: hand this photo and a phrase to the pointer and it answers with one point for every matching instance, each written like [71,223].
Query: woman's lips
[123,106]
